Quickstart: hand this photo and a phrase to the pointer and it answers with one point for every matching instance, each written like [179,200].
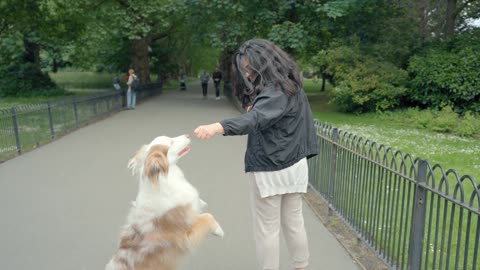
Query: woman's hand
[207,131]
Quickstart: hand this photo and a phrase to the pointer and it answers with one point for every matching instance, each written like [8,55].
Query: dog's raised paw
[218,231]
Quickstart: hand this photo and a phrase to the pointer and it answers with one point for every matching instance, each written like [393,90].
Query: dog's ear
[156,162]
[134,164]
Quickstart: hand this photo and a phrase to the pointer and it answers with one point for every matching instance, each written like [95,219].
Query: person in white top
[131,91]
[281,136]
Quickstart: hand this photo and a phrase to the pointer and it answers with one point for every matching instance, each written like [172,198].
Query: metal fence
[24,127]
[412,214]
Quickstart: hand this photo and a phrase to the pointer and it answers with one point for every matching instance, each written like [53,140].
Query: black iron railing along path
[24,127]
[412,214]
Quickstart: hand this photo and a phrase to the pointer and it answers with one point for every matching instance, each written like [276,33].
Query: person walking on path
[132,84]
[183,82]
[217,78]
[281,137]
[116,82]
[204,77]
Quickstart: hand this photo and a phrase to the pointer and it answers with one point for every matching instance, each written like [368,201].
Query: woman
[131,91]
[281,137]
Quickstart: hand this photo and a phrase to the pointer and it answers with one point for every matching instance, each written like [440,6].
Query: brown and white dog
[165,221]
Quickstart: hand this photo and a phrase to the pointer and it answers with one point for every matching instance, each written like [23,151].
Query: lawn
[8,102]
[79,83]
[89,80]
[459,153]
[84,79]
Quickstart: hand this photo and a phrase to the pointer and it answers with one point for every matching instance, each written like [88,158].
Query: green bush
[26,80]
[422,120]
[469,126]
[362,82]
[447,75]
[444,121]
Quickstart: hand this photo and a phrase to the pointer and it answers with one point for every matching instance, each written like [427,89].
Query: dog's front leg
[204,225]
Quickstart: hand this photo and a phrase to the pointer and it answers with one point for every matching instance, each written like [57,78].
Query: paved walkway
[63,204]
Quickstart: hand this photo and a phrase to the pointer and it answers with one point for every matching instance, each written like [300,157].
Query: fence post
[94,104]
[15,129]
[50,119]
[119,100]
[335,137]
[75,111]
[415,250]
[107,103]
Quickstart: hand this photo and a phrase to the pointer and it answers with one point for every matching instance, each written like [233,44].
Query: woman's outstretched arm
[205,132]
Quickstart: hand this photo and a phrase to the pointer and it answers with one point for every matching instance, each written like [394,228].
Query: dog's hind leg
[204,225]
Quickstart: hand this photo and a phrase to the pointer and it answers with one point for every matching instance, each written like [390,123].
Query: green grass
[8,102]
[391,130]
[88,79]
[84,79]
[450,151]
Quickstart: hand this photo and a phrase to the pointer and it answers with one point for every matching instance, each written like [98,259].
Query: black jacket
[280,128]
[217,75]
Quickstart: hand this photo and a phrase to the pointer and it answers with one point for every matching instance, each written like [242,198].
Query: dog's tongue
[184,150]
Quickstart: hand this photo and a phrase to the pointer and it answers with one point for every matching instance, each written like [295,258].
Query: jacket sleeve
[267,109]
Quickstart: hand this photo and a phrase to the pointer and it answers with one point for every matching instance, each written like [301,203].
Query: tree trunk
[450,19]
[226,68]
[423,17]
[55,66]
[323,83]
[32,52]
[160,76]
[139,59]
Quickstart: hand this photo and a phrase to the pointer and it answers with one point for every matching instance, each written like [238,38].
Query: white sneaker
[217,98]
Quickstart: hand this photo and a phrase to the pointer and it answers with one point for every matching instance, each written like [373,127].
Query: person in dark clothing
[204,77]
[116,83]
[183,82]
[281,137]
[217,77]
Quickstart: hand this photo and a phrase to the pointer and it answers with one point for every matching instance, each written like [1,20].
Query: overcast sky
[475,22]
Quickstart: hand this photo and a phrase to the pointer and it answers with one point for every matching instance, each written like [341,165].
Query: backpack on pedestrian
[135,84]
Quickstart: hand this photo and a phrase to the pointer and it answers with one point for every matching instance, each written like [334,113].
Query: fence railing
[412,214]
[24,127]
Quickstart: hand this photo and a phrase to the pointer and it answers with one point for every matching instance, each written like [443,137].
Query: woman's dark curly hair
[269,65]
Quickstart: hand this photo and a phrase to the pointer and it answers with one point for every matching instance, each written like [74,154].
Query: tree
[456,9]
[27,28]
[422,8]
[144,23]
[225,30]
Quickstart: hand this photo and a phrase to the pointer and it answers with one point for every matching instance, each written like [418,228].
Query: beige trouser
[269,214]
